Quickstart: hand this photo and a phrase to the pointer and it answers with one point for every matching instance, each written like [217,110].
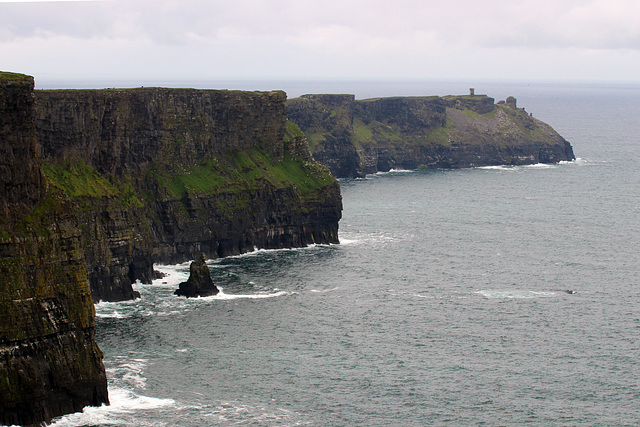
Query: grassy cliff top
[383,98]
[14,77]
[277,93]
[474,97]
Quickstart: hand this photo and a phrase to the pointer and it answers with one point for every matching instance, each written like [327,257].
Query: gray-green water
[446,302]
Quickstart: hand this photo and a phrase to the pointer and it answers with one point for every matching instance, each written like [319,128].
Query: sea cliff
[49,362]
[99,185]
[357,137]
[165,175]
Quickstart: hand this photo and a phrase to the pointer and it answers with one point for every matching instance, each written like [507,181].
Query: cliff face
[164,175]
[49,362]
[354,138]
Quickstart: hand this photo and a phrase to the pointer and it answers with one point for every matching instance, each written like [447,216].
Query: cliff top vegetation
[5,75]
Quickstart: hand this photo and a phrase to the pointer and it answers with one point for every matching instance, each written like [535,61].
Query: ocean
[487,296]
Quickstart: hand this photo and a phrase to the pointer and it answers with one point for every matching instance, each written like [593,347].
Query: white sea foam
[172,274]
[131,373]
[112,315]
[515,294]
[372,238]
[499,167]
[124,397]
[344,241]
[115,310]
[390,171]
[322,291]
[311,246]
[122,402]
[515,168]
[228,297]
[540,166]
[423,296]
[111,305]
[238,413]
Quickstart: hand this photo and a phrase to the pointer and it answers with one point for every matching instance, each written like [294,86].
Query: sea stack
[199,283]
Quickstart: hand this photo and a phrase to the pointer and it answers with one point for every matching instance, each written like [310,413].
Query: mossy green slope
[242,171]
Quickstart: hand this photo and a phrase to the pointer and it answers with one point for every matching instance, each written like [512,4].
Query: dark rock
[50,364]
[199,283]
[358,137]
[20,175]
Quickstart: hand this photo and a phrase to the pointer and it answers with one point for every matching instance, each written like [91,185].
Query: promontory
[358,137]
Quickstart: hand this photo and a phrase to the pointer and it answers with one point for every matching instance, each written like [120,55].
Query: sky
[400,40]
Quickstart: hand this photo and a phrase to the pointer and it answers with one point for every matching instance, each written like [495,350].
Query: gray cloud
[358,37]
[75,19]
[539,23]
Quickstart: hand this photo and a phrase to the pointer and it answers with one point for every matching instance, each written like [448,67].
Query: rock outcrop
[49,362]
[163,175]
[199,283]
[357,137]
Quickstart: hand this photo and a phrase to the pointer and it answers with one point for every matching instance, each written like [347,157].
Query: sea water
[487,296]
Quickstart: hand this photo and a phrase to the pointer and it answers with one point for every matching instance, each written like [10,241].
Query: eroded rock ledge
[164,175]
[358,137]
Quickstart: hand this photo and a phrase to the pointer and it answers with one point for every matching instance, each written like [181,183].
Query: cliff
[98,185]
[357,137]
[49,362]
[164,175]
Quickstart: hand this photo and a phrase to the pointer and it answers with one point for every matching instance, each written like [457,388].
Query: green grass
[81,182]
[4,75]
[474,97]
[229,181]
[315,140]
[78,179]
[383,133]
[439,136]
[292,131]
[525,124]
[363,134]
[242,171]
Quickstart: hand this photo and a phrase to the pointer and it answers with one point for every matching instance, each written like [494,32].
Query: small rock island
[199,283]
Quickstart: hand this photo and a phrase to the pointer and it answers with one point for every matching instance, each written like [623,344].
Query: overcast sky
[328,39]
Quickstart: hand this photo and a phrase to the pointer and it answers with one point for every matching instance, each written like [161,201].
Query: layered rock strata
[357,137]
[49,362]
[163,175]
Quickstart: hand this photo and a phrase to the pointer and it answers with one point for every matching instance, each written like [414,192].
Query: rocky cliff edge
[49,362]
[164,175]
[357,137]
